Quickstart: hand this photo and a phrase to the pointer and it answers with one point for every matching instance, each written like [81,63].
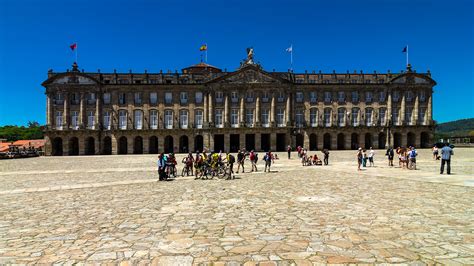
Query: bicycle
[187,169]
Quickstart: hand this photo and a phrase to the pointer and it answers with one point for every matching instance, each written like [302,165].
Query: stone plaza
[111,209]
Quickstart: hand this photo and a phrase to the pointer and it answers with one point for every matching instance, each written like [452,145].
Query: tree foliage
[458,128]
[13,133]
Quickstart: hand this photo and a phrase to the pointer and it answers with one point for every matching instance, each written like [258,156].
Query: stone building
[206,107]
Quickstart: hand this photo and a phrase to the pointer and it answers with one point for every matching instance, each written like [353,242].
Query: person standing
[371,157]
[412,158]
[446,153]
[326,156]
[253,160]
[161,167]
[435,152]
[364,157]
[390,153]
[268,160]
[230,159]
[288,149]
[359,158]
[240,161]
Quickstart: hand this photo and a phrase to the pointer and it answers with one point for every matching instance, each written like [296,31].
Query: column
[429,112]
[146,144]
[191,143]
[288,110]
[388,113]
[242,113]
[272,114]
[161,144]
[82,111]
[306,140]
[66,111]
[130,140]
[242,141]
[211,108]
[98,112]
[226,111]
[307,111]
[414,115]
[257,112]
[205,110]
[114,145]
[258,142]
[49,111]
[402,110]
[273,138]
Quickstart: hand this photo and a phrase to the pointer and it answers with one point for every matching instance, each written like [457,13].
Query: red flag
[73,46]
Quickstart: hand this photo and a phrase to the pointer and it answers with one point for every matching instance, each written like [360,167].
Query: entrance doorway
[327,141]
[169,145]
[198,143]
[313,142]
[90,146]
[265,140]
[138,145]
[219,142]
[153,145]
[234,142]
[122,145]
[73,146]
[183,144]
[250,142]
[281,142]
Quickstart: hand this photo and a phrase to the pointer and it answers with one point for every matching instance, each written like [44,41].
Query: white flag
[289,49]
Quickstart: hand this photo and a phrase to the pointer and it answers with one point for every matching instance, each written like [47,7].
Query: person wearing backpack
[268,161]
[390,153]
[230,162]
[240,161]
[252,158]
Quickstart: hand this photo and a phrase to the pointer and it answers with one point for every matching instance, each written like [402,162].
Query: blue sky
[153,35]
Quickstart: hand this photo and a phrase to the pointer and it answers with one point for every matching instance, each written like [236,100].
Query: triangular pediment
[413,78]
[71,78]
[247,75]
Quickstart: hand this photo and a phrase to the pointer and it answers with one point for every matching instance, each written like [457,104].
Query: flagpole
[407,54]
[291,57]
[76,53]
[206,53]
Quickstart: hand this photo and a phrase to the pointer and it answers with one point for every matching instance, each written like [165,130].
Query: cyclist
[230,159]
[240,161]
[188,162]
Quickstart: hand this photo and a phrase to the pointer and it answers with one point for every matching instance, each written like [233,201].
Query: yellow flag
[203,47]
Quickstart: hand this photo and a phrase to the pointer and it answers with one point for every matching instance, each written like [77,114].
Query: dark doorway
[73,146]
[219,142]
[382,140]
[313,142]
[234,142]
[355,141]
[397,140]
[198,143]
[341,141]
[169,145]
[250,142]
[411,139]
[57,147]
[107,146]
[90,146]
[183,144]
[368,140]
[265,140]
[281,142]
[138,145]
[300,140]
[122,145]
[425,140]
[153,145]
[327,141]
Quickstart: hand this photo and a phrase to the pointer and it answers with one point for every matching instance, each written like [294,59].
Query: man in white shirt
[371,157]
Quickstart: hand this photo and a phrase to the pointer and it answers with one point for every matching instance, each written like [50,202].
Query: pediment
[71,78]
[248,75]
[413,78]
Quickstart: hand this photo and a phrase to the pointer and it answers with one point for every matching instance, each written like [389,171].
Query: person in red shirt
[253,160]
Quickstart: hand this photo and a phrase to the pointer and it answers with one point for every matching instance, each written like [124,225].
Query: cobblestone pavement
[110,209]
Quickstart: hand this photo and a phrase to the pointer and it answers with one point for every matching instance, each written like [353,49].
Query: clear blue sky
[153,35]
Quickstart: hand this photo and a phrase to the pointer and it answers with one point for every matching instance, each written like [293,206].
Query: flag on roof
[73,46]
[405,49]
[290,49]
[203,47]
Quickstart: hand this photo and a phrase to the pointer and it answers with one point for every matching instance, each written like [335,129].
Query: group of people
[406,157]
[308,160]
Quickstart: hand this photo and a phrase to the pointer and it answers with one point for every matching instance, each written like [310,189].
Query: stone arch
[355,141]
[397,140]
[341,141]
[138,145]
[368,140]
[327,141]
[73,146]
[199,143]
[107,146]
[183,144]
[153,145]
[123,145]
[299,140]
[169,145]
[313,142]
[425,140]
[57,147]
[411,139]
[90,146]
[382,140]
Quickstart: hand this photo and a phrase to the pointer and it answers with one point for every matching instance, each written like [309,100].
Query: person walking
[161,167]
[364,157]
[446,153]
[268,160]
[230,162]
[390,153]
[435,152]
[359,158]
[371,157]
[412,158]
[240,161]
[288,149]
[326,156]
[253,160]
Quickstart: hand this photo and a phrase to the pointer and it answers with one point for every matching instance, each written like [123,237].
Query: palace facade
[206,107]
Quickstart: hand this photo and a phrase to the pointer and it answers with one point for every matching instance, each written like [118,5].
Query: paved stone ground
[110,209]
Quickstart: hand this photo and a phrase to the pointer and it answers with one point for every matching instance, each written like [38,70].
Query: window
[90,120]
[395,116]
[198,118]
[106,98]
[368,81]
[75,119]
[341,81]
[183,119]
[368,97]
[59,120]
[59,98]
[355,96]
[368,117]
[313,117]
[138,97]
[138,115]
[408,113]
[75,98]
[382,96]
[409,96]
[265,117]
[249,117]
[198,96]
[421,117]
[355,117]
[123,119]
[219,96]
[341,115]
[299,97]
[153,119]
[90,98]
[234,97]
[327,97]
[299,118]
[168,97]
[106,120]
[281,97]
[280,118]
[327,117]
[122,98]
[422,96]
[249,96]
[341,97]
[153,98]
[396,96]
[183,97]
[382,113]
[219,122]
[168,119]
[313,97]
[265,96]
